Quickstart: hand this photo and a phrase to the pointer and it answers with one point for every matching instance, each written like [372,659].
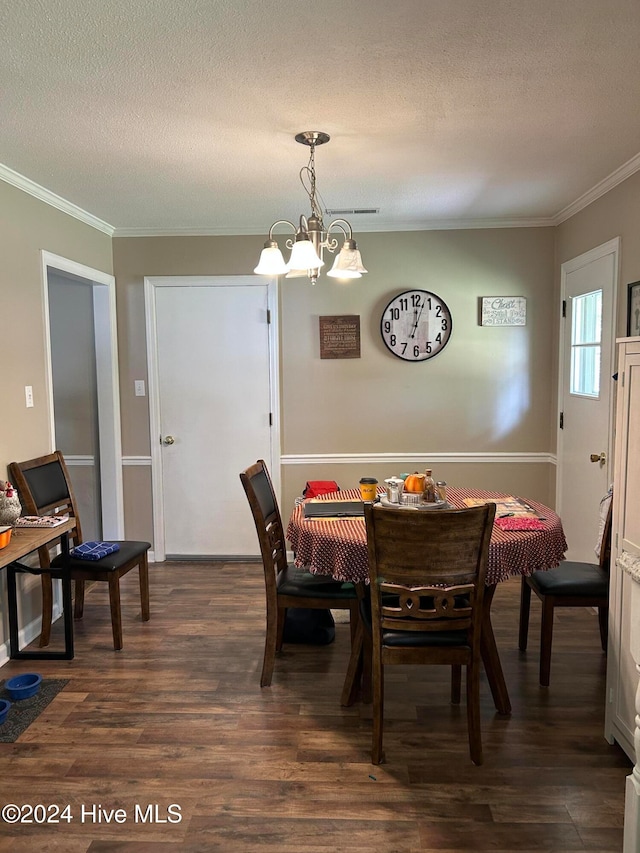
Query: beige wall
[615,214]
[26,227]
[487,392]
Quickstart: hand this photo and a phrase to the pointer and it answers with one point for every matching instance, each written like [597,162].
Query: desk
[338,547]
[23,542]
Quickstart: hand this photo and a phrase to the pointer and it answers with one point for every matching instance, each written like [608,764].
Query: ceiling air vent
[351,211]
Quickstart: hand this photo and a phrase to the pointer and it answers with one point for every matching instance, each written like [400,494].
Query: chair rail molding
[414,458]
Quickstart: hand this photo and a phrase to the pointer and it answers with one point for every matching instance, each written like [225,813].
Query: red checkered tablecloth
[338,547]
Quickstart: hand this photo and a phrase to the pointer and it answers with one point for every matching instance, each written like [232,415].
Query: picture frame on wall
[633,309]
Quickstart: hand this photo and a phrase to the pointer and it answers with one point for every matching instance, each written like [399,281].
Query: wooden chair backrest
[428,569]
[44,488]
[266,516]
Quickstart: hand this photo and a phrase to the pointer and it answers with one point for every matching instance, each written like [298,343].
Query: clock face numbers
[416,325]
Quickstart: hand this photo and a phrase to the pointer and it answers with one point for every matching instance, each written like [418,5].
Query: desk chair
[427,573]
[45,489]
[285,584]
[570,584]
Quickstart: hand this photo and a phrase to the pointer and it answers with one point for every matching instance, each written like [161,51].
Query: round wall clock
[416,325]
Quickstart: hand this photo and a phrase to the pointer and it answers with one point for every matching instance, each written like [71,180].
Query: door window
[586,344]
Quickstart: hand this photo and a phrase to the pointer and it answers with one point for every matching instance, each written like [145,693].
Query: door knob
[598,457]
[168,439]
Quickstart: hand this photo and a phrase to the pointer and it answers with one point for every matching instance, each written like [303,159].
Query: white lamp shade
[304,256]
[348,264]
[271,262]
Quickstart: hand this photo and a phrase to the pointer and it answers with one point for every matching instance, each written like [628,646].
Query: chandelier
[311,235]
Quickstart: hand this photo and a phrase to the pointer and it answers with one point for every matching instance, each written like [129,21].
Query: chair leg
[525,607]
[270,643]
[367,664]
[143,572]
[116,614]
[354,619]
[377,755]
[282,615]
[47,608]
[456,683]
[473,713]
[354,669]
[603,621]
[546,638]
[78,607]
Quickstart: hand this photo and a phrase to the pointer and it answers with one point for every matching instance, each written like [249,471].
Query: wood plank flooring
[178,717]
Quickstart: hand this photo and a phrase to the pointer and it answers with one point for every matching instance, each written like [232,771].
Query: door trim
[612,247]
[151,283]
[108,386]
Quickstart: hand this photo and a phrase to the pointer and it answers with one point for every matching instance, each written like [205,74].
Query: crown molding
[617,177]
[25,184]
[9,176]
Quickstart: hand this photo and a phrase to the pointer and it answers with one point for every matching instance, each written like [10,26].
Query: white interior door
[214,401]
[586,365]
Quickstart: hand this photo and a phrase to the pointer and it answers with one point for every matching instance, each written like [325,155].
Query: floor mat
[23,712]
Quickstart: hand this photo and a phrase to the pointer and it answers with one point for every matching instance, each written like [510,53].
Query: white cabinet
[622,722]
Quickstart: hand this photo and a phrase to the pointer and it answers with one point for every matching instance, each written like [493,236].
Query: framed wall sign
[340,336]
[503,311]
[633,309]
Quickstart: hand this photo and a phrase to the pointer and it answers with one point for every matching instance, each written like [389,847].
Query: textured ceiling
[162,116]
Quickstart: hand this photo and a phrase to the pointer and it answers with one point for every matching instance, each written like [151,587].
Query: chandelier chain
[309,172]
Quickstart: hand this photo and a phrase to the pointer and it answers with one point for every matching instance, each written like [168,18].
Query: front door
[585,419]
[212,388]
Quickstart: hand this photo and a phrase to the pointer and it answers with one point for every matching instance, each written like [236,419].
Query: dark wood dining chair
[44,488]
[427,573]
[571,584]
[286,585]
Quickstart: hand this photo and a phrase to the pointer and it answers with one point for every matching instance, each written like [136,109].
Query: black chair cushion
[572,579]
[129,550]
[298,581]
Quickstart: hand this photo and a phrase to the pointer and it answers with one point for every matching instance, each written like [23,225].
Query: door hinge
[561,420]
[268,316]
[622,380]
[270,419]
[564,307]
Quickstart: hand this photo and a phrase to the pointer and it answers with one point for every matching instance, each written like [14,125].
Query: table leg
[491,658]
[358,675]
[12,598]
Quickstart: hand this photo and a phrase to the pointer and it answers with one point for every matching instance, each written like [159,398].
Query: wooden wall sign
[503,311]
[340,336]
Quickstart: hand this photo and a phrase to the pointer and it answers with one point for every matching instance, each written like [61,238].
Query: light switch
[139,386]
[28,395]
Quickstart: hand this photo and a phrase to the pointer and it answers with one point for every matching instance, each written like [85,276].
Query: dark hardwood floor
[178,717]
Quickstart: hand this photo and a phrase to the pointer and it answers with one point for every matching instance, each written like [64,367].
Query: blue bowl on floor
[4,709]
[23,686]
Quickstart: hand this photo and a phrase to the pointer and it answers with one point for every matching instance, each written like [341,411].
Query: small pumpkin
[414,483]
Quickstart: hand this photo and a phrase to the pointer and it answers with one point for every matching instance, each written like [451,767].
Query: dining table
[337,547]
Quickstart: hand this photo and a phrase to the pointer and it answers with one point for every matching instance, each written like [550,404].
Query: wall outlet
[28,396]
[139,387]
